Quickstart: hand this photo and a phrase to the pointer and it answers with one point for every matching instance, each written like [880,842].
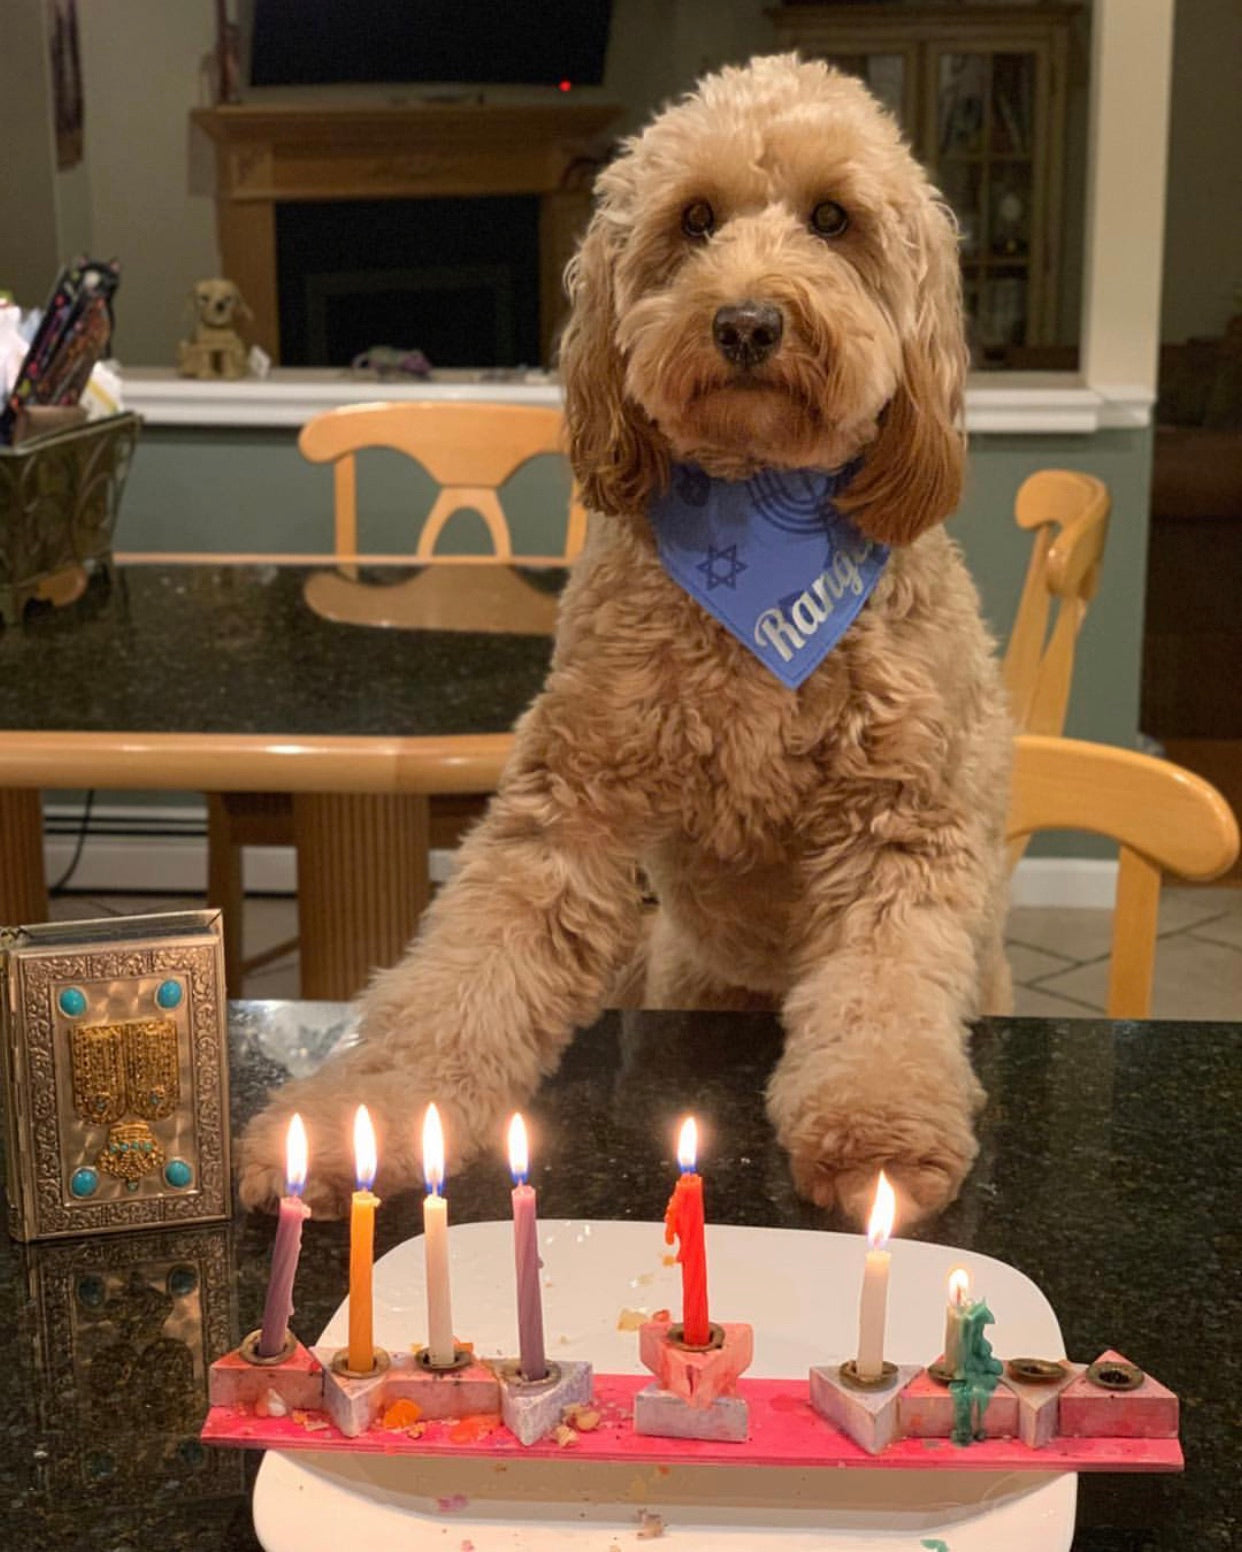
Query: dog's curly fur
[836,850]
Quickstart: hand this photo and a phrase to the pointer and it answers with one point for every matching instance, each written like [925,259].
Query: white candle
[435,1246]
[959,1292]
[873,1306]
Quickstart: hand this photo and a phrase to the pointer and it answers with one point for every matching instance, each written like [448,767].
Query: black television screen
[530,42]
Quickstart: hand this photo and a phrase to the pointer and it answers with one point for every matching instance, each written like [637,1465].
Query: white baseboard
[1066,883]
[164,851]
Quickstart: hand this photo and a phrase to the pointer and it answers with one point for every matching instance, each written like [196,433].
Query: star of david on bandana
[722,567]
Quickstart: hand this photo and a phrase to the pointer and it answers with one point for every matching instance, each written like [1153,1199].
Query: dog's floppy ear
[912,473]
[612,446]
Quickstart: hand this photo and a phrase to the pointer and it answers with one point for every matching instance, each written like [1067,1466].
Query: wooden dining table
[361,690]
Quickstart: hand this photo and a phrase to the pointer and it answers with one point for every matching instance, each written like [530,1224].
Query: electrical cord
[63,880]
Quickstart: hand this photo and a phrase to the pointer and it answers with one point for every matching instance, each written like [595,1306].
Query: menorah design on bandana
[798,501]
[126,1070]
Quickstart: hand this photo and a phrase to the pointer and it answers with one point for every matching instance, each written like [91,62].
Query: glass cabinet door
[981,141]
[889,74]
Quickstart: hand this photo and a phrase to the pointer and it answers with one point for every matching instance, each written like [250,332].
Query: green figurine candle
[976,1374]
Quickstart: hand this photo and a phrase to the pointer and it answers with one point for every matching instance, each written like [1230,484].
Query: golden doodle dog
[768,284]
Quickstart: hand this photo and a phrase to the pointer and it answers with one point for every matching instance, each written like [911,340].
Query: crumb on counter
[650,1526]
[565,1436]
[401,1414]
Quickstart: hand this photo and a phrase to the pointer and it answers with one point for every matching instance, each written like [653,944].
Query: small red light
[565,86]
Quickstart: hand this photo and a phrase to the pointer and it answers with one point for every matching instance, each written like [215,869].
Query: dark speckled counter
[1109,1174]
[236,649]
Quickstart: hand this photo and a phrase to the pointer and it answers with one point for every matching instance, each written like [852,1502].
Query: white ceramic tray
[798,1289]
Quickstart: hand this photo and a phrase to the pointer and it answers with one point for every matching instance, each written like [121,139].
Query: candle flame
[688,1145]
[959,1285]
[365,1162]
[433,1151]
[295,1156]
[519,1154]
[883,1211]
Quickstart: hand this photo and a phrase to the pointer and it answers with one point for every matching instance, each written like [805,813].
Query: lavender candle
[293,1213]
[532,1359]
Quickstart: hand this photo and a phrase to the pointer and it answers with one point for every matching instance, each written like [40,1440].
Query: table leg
[362,885]
[23,882]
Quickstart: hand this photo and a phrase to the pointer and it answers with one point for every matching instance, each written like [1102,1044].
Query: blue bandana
[771,558]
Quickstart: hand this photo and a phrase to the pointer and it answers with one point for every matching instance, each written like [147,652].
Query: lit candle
[435,1246]
[874,1303]
[293,1213]
[531,1355]
[362,1246]
[959,1302]
[684,1219]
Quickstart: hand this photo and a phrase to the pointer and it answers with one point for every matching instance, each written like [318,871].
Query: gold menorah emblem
[120,1070]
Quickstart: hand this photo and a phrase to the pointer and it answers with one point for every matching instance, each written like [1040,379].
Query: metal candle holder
[881,1381]
[462,1359]
[380,1363]
[249,1350]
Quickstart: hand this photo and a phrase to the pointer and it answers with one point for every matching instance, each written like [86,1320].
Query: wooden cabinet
[980,92]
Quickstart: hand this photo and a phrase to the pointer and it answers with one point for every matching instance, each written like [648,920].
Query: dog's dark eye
[828,219]
[698,220]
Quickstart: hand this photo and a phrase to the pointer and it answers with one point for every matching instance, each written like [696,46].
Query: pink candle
[293,1213]
[532,1359]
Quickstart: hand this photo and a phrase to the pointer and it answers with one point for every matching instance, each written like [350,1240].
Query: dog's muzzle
[748,333]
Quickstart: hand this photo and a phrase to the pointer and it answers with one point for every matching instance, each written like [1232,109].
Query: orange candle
[684,1219]
[362,1246]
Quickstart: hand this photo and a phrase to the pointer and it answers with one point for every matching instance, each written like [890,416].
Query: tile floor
[1059,957]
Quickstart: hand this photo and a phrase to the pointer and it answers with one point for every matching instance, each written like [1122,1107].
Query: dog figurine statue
[217,350]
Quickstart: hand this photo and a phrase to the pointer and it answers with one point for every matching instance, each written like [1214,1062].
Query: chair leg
[226,891]
[23,881]
[362,885]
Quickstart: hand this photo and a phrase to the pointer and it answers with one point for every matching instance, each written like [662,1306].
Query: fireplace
[456,278]
[440,225]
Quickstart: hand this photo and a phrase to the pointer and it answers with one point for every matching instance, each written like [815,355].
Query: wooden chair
[1068,512]
[470,450]
[1164,818]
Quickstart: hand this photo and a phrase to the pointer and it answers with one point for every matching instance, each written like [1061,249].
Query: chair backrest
[1164,818]
[469,449]
[1068,512]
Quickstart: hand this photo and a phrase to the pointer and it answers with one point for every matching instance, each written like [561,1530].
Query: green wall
[239,490]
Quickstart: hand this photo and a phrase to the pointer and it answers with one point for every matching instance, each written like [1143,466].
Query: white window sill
[1009,404]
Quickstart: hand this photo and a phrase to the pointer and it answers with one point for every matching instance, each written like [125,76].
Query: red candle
[684,1219]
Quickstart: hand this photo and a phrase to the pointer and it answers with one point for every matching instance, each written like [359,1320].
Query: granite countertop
[1108,1173]
[236,649]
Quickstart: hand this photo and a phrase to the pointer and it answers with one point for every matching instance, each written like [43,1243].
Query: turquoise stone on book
[169,995]
[72,1002]
[178,1173]
[84,1182]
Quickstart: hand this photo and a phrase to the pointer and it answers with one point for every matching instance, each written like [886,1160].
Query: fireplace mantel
[269,153]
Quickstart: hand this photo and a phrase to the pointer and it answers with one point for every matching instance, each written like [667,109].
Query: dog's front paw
[261,1162]
[841,1132]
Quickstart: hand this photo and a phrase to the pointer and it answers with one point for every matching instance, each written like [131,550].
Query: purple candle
[531,1357]
[293,1213]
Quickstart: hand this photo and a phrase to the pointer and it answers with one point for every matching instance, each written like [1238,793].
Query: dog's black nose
[746,335]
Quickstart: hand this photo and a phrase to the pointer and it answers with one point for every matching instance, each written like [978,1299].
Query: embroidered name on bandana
[771,558]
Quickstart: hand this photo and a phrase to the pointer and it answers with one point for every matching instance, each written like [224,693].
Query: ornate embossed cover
[116,1074]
